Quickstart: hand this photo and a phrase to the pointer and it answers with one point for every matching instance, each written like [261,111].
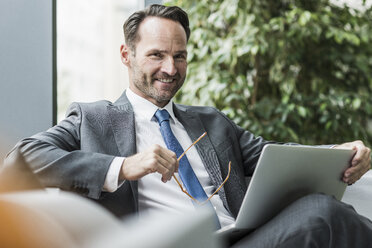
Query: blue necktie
[185,170]
[188,177]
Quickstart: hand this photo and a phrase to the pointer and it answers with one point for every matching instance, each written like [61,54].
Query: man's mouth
[165,80]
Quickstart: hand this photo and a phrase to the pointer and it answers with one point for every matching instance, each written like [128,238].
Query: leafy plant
[288,70]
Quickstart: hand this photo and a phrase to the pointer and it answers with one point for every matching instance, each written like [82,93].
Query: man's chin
[165,95]
[163,99]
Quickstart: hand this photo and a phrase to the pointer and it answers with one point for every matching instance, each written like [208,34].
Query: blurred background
[288,70]
[54,52]
[89,35]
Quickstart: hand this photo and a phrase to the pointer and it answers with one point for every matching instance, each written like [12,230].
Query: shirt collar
[145,108]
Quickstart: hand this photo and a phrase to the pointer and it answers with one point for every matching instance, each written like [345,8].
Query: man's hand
[155,159]
[360,163]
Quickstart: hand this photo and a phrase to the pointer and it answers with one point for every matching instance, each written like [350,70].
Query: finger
[363,156]
[165,168]
[353,174]
[357,156]
[362,160]
[169,156]
[363,152]
[141,164]
[164,152]
[166,160]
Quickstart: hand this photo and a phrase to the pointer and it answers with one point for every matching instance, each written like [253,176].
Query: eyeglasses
[184,190]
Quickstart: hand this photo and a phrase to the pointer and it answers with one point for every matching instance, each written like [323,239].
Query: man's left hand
[360,163]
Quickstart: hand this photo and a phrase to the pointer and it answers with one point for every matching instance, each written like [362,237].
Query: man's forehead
[162,29]
[160,34]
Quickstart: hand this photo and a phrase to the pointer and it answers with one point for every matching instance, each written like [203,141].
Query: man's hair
[132,24]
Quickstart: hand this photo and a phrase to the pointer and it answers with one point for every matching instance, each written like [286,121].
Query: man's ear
[124,54]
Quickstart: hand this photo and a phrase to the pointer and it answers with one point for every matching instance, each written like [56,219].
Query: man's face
[157,68]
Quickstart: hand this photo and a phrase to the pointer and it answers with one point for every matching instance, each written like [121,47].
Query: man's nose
[169,67]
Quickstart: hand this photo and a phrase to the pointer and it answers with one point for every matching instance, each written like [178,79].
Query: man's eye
[180,56]
[156,55]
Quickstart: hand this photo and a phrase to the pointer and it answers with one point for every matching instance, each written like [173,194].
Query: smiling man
[157,65]
[124,154]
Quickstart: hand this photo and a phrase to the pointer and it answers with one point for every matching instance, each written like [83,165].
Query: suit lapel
[123,126]
[194,128]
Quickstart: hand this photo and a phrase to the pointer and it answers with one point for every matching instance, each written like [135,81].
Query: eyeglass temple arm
[179,158]
[179,184]
[215,192]
[196,141]
[183,190]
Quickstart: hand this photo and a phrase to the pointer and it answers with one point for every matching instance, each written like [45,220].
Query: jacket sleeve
[55,156]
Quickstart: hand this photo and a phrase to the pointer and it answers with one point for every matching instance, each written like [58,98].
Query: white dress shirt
[154,196]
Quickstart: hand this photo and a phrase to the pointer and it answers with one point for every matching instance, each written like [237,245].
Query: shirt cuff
[112,176]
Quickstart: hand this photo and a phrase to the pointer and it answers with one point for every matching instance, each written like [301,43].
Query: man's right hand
[155,159]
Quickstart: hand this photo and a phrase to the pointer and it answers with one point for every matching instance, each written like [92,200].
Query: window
[89,35]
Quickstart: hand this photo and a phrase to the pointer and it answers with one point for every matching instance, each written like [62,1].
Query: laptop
[284,174]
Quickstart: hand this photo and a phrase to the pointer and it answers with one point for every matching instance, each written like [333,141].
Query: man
[117,152]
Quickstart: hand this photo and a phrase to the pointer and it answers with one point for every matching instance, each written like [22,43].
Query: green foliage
[288,70]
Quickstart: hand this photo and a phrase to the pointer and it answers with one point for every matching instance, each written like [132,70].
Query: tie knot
[161,115]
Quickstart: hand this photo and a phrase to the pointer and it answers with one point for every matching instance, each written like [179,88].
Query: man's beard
[148,89]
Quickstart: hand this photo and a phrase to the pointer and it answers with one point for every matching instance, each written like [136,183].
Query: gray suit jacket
[75,154]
